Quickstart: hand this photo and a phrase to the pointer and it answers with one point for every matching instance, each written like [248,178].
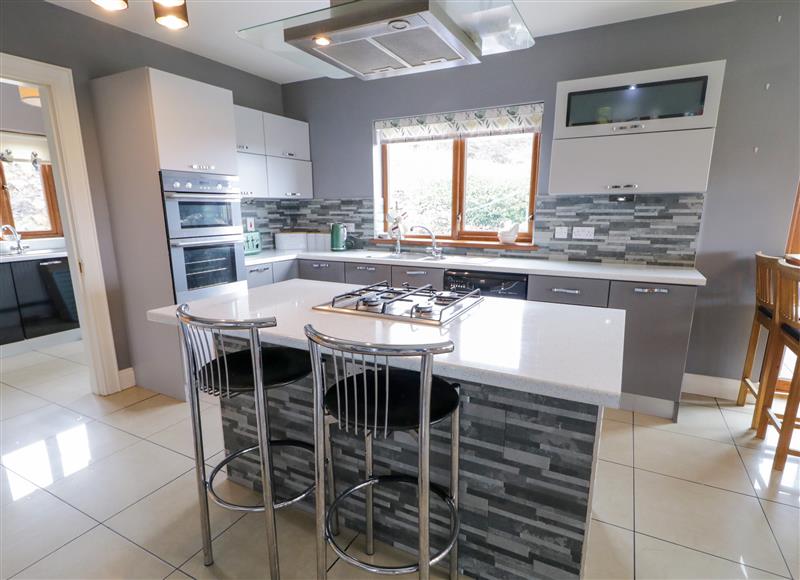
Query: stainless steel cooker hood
[387,38]
[373,39]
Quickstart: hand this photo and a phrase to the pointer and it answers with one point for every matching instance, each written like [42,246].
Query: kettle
[338,237]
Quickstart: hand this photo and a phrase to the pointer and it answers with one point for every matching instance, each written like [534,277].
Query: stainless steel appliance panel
[489,283]
[197,205]
[204,267]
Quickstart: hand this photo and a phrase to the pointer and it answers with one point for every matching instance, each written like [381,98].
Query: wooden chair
[786,336]
[766,288]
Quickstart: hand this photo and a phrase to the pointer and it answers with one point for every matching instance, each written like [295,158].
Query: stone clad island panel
[526,468]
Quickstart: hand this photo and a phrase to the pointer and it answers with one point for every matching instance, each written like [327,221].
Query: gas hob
[423,305]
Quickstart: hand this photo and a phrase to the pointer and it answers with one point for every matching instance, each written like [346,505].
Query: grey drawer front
[367,273]
[322,270]
[658,321]
[581,291]
[259,275]
[417,276]
[286,270]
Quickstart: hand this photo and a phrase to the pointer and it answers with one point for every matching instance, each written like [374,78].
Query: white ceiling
[214,23]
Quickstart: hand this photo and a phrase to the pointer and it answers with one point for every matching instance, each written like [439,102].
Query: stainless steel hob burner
[424,305]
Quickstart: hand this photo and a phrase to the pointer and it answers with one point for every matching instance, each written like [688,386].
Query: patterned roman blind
[525,118]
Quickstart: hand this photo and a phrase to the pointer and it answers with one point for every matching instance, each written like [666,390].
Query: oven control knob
[188,185]
[176,184]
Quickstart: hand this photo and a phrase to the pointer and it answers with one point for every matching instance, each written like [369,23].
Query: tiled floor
[103,488]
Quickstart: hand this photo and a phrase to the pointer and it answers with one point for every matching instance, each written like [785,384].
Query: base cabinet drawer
[260,275]
[367,273]
[286,270]
[658,321]
[322,270]
[563,290]
[414,276]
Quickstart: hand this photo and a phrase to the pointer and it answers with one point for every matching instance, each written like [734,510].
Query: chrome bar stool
[210,367]
[371,398]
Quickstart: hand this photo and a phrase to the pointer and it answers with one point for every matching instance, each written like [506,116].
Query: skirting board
[126,378]
[710,386]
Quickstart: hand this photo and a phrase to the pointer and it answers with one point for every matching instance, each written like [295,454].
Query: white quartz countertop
[32,255]
[557,350]
[621,272]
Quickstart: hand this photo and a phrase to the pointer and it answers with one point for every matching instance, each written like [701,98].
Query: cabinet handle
[243,147]
[288,154]
[292,194]
[50,263]
[565,291]
[260,269]
[651,290]
[319,265]
[625,186]
[416,272]
[201,166]
[367,268]
[628,127]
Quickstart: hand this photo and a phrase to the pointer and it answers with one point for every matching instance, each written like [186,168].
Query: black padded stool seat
[282,365]
[403,400]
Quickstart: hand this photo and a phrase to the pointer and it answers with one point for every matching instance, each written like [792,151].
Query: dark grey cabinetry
[10,320]
[286,270]
[417,276]
[367,273]
[322,270]
[658,321]
[580,291]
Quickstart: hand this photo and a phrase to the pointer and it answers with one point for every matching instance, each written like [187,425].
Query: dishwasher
[490,283]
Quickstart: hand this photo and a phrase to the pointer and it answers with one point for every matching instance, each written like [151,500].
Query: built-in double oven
[204,229]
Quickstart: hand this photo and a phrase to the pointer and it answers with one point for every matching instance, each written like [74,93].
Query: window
[29,199]
[463,175]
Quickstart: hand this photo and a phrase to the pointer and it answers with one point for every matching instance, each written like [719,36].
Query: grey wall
[44,32]
[749,197]
[16,115]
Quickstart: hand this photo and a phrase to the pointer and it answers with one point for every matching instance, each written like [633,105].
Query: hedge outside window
[29,199]
[463,174]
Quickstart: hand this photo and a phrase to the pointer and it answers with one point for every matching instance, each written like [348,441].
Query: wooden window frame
[793,242]
[458,235]
[49,189]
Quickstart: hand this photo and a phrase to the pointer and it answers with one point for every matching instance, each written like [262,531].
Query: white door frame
[77,213]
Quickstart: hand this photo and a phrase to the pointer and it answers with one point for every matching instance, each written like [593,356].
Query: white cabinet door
[260,275]
[286,137]
[194,124]
[289,178]
[249,130]
[669,162]
[252,175]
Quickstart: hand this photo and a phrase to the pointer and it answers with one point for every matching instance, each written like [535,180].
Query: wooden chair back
[788,298]
[766,280]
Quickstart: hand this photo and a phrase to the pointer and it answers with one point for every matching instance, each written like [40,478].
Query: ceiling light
[30,96]
[170,3]
[322,40]
[112,5]
[174,16]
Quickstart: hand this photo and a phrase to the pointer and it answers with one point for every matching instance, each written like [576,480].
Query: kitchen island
[535,378]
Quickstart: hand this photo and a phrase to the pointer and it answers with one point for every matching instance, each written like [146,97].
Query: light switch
[251,224]
[582,233]
[562,233]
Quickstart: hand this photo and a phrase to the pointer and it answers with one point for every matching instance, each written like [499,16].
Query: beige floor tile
[74,351]
[167,522]
[115,482]
[15,402]
[97,406]
[66,453]
[744,436]
[621,415]
[658,560]
[99,554]
[36,426]
[785,522]
[692,399]
[693,458]
[780,486]
[749,407]
[9,364]
[45,370]
[698,420]
[178,575]
[609,554]
[240,551]
[715,521]
[64,389]
[179,437]
[33,524]
[149,416]
[616,442]
[612,496]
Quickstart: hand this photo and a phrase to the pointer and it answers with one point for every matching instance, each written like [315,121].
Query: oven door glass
[210,266]
[204,214]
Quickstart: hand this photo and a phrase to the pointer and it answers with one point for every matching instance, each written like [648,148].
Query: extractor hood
[372,39]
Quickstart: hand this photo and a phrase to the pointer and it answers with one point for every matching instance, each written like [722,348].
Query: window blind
[507,120]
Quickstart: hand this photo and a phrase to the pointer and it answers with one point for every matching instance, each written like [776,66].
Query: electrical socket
[561,233]
[582,233]
[251,224]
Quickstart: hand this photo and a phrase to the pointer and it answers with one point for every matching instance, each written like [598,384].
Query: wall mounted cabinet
[252,175]
[249,130]
[289,178]
[286,137]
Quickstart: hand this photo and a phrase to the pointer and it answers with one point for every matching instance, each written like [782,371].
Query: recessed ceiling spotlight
[322,40]
[112,5]
[170,14]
